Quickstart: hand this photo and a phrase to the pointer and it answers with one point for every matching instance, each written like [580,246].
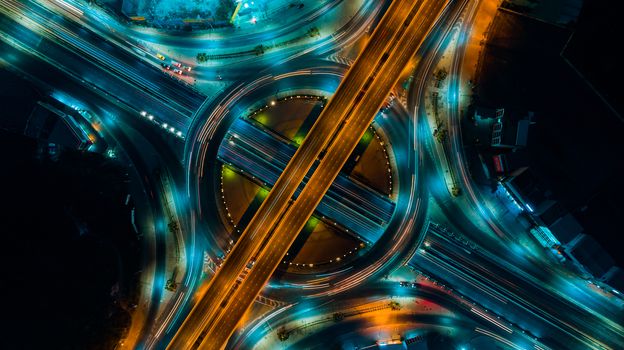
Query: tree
[338,316]
[314,31]
[394,305]
[456,191]
[224,10]
[441,135]
[174,226]
[202,57]
[441,74]
[283,334]
[259,50]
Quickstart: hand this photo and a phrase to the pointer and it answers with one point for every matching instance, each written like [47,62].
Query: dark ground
[17,98]
[577,145]
[595,50]
[70,255]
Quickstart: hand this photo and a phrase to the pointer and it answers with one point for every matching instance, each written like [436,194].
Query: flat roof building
[589,255]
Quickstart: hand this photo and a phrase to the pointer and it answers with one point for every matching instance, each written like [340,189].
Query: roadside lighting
[150,117]
[143,113]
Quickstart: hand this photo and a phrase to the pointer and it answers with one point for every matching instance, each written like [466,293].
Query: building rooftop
[566,228]
[588,253]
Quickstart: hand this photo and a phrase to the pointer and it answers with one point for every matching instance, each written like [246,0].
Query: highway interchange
[172,128]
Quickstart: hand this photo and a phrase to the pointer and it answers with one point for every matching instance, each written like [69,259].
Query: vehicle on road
[177,71]
[160,57]
[251,263]
[165,66]
[177,64]
[187,68]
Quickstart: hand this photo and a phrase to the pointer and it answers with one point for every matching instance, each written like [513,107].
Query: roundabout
[255,151]
[241,148]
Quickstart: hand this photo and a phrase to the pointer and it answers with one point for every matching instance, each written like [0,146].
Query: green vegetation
[283,334]
[228,173]
[259,50]
[338,316]
[202,57]
[440,74]
[440,135]
[455,191]
[314,31]
[224,10]
[174,227]
[171,285]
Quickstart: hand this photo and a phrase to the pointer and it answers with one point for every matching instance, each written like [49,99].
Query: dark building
[589,256]
[527,190]
[565,229]
[509,132]
[614,278]
[54,124]
[554,225]
[549,212]
[511,163]
[482,113]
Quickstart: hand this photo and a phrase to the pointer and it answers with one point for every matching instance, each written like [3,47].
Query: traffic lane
[403,227]
[115,89]
[354,327]
[358,296]
[519,291]
[265,157]
[435,265]
[72,42]
[121,57]
[317,74]
[362,116]
[334,207]
[57,56]
[283,193]
[536,268]
[546,303]
[376,206]
[321,127]
[393,249]
[295,218]
[138,150]
[217,288]
[214,41]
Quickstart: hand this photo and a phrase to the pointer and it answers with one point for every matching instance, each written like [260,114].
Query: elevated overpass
[370,99]
[337,131]
[361,210]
